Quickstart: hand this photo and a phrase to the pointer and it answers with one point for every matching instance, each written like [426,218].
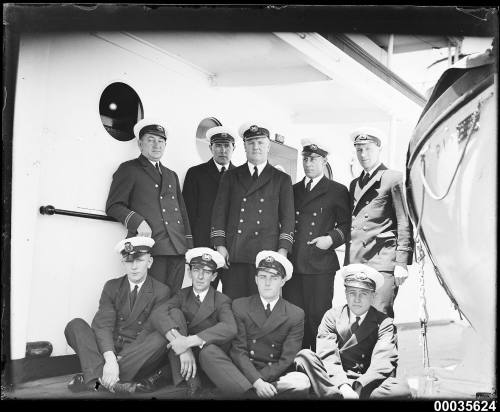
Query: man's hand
[283,251]
[225,254]
[179,345]
[144,229]
[347,392]
[400,274]
[188,364]
[322,242]
[110,371]
[264,389]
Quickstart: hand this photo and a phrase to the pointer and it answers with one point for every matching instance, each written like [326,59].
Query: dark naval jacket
[212,321]
[381,232]
[322,211]
[368,356]
[199,191]
[114,324]
[265,347]
[139,193]
[252,216]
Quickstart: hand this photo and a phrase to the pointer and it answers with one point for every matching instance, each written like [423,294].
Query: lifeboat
[451,187]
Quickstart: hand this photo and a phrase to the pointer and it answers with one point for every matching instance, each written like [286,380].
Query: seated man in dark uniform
[121,347]
[270,332]
[356,354]
[199,323]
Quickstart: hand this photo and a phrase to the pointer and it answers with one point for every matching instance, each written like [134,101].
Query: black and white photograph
[250,202]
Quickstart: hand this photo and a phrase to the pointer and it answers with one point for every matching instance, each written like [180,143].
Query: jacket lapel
[343,325]
[256,311]
[143,298]
[206,308]
[264,177]
[318,190]
[150,169]
[244,176]
[275,319]
[212,170]
[372,181]
[367,327]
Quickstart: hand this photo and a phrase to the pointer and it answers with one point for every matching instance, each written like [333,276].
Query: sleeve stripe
[128,218]
[286,236]
[217,233]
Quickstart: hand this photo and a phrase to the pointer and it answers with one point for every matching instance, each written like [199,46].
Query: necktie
[222,169]
[308,186]
[355,325]
[133,297]
[255,175]
[268,310]
[157,165]
[364,179]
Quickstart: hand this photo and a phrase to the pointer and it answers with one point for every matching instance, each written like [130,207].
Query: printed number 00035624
[467,406]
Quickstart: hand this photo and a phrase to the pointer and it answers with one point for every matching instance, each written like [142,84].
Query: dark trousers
[385,296]
[169,270]
[136,359]
[239,280]
[314,294]
[309,363]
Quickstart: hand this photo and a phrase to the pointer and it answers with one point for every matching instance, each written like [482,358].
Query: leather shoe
[77,384]
[124,387]
[194,388]
[155,381]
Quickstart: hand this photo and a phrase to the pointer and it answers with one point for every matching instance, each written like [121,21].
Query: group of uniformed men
[272,331]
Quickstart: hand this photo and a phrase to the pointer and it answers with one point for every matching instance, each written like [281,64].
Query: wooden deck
[457,360]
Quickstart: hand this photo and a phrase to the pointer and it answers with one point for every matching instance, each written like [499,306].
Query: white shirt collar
[352,317]
[220,166]
[132,285]
[201,294]
[373,169]
[271,302]
[260,168]
[314,181]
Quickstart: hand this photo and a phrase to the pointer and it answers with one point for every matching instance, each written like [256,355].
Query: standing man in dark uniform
[253,210]
[121,346]
[201,185]
[146,197]
[381,232]
[322,224]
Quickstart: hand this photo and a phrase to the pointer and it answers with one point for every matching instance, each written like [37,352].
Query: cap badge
[128,247]
[269,259]
[223,135]
[254,129]
[360,276]
[206,257]
[314,147]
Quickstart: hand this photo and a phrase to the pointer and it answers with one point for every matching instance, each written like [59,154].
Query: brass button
[173,197]
[350,241]
[256,233]
[166,222]
[258,222]
[176,209]
[242,210]
[310,233]
[314,214]
[367,202]
[156,185]
[179,222]
[254,341]
[297,212]
[161,197]
[312,223]
[261,200]
[271,355]
[244,199]
[260,210]
[252,352]
[269,363]
[352,228]
[272,345]
[163,210]
[241,220]
[169,185]
[364,228]
[366,216]
[239,230]
[362,355]
[139,322]
[296,221]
